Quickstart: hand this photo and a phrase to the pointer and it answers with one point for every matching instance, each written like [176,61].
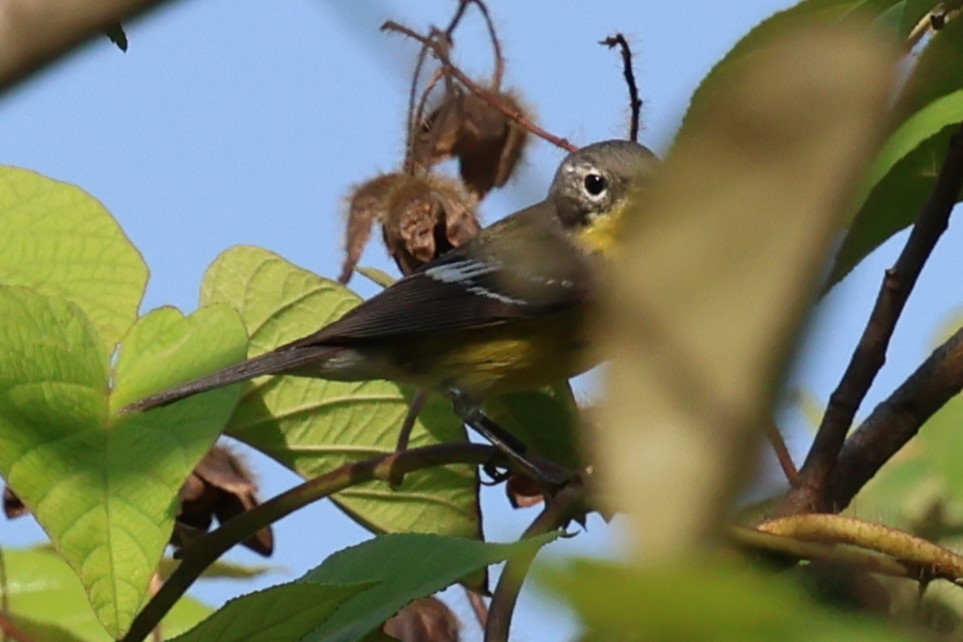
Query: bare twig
[10,630]
[478,606]
[499,71]
[414,118]
[635,103]
[870,353]
[206,550]
[559,511]
[783,456]
[897,420]
[487,96]
[34,33]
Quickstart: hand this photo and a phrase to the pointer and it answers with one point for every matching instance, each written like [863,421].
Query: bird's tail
[283,360]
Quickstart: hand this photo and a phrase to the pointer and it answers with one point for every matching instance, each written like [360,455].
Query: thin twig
[478,606]
[558,512]
[206,550]
[416,123]
[491,99]
[783,456]
[413,120]
[496,45]
[897,420]
[10,629]
[870,353]
[635,103]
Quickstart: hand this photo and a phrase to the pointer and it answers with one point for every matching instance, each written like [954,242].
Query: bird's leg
[471,413]
[414,409]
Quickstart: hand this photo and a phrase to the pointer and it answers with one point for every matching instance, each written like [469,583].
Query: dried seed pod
[486,142]
[421,216]
[523,491]
[367,204]
[427,216]
[425,620]
[221,487]
[12,506]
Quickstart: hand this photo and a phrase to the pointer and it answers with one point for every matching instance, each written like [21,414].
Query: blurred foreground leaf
[724,253]
[699,602]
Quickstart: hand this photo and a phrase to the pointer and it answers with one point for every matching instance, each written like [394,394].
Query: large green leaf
[47,601]
[699,602]
[279,614]
[104,487]
[906,169]
[405,567]
[803,14]
[314,426]
[59,240]
[900,179]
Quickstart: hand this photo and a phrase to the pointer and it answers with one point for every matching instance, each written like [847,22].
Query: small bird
[507,311]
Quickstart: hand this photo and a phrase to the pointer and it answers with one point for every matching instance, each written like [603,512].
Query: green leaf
[900,179]
[545,420]
[905,171]
[314,426]
[405,567]
[376,276]
[803,14]
[46,597]
[104,487]
[280,614]
[58,240]
[699,602]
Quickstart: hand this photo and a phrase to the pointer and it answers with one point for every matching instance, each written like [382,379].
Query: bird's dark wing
[521,267]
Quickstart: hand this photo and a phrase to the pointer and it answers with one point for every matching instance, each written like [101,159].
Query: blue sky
[240,122]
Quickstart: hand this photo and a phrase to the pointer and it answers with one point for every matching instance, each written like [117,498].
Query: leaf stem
[559,511]
[206,550]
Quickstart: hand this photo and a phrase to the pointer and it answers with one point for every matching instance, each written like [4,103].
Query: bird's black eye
[595,184]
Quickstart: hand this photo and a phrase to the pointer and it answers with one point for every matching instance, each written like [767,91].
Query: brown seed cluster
[422,213]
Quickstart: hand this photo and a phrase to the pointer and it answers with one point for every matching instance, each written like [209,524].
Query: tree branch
[897,420]
[870,353]
[34,33]
[558,512]
[206,550]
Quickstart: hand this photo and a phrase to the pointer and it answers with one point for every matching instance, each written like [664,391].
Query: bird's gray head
[595,179]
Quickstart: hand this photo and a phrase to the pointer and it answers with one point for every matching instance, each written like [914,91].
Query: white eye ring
[595,185]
